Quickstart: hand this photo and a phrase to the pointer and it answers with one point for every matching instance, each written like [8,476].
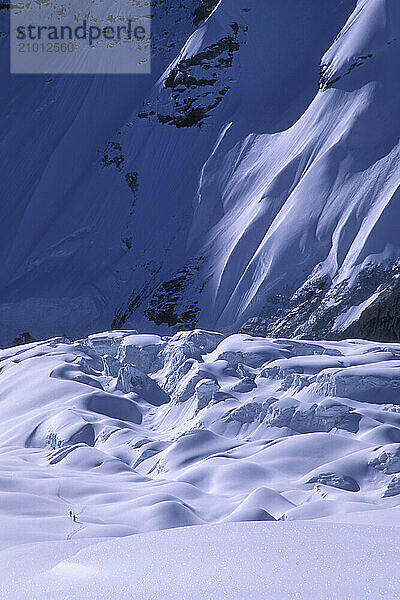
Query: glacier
[136,433]
[278,448]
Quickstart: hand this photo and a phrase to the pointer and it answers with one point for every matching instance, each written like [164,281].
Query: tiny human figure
[72,515]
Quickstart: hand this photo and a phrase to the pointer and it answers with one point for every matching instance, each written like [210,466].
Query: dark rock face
[203,11]
[196,86]
[312,311]
[325,83]
[380,321]
[166,304]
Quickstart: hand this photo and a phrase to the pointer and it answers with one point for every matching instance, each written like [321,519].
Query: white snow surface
[271,561]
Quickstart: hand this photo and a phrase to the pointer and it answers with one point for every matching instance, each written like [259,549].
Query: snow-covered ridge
[137,433]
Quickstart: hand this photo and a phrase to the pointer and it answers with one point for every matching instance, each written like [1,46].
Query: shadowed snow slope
[225,190]
[136,433]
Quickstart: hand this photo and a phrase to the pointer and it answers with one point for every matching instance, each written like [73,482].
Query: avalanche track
[136,433]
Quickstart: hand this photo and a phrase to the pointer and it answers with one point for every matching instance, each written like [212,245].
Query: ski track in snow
[137,433]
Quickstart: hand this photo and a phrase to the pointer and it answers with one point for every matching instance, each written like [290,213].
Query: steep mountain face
[227,189]
[62,230]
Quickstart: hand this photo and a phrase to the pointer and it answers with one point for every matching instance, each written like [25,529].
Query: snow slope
[224,191]
[61,225]
[136,433]
[235,561]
